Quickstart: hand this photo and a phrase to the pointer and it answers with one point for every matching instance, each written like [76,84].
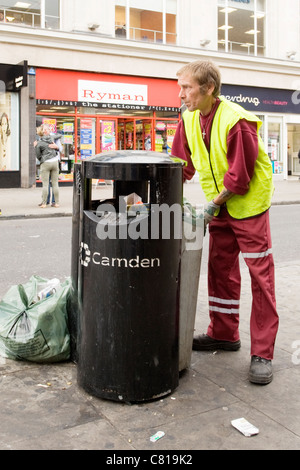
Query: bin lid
[129,164]
[134,156]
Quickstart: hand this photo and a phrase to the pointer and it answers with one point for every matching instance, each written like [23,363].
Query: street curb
[35,216]
[285,203]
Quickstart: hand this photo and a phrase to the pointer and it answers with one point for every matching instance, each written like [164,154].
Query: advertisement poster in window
[86,138]
[9,132]
[52,125]
[108,139]
[160,136]
[171,129]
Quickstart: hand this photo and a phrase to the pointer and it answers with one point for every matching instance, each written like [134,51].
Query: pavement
[19,202]
[44,408]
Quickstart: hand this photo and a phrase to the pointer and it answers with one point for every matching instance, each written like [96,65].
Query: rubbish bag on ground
[34,321]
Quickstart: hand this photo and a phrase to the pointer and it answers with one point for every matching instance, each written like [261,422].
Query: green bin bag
[35,330]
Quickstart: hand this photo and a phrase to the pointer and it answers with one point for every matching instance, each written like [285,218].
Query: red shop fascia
[106,91]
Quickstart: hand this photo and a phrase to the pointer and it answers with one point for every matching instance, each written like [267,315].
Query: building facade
[103,74]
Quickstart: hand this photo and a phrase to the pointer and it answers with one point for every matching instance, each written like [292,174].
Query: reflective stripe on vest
[212,166]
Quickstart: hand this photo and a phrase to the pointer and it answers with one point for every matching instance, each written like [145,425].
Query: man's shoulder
[236,111]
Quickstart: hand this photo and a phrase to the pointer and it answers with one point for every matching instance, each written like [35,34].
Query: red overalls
[251,237]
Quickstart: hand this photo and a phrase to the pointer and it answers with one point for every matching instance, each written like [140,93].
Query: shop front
[12,79]
[96,113]
[279,111]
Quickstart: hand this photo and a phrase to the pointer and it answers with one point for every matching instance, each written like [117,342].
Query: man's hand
[209,211]
[53,146]
[211,208]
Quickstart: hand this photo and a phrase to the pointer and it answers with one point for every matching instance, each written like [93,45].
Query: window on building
[35,13]
[143,21]
[241,26]
[52,14]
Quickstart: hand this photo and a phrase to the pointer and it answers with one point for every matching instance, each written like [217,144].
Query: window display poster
[277,167]
[68,127]
[52,125]
[9,132]
[68,139]
[171,129]
[108,140]
[159,142]
[86,138]
[273,149]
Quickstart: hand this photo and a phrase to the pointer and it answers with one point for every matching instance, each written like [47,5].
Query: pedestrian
[220,140]
[57,141]
[46,153]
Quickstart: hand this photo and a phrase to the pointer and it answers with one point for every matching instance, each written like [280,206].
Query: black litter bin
[128,277]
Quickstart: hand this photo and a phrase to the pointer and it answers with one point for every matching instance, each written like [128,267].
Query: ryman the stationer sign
[112,92]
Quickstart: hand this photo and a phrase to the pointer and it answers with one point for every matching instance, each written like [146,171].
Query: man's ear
[210,89]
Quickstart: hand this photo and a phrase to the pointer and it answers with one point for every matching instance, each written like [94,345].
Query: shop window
[139,21]
[36,13]
[241,26]
[87,132]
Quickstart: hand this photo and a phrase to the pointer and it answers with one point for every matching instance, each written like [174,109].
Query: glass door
[129,134]
[125,134]
[135,134]
[294,149]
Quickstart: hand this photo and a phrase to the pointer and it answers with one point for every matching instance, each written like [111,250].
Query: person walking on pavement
[220,140]
[46,153]
[57,141]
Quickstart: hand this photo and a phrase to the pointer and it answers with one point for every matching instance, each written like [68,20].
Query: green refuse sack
[34,321]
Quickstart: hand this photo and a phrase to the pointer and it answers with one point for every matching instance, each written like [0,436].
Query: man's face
[191,93]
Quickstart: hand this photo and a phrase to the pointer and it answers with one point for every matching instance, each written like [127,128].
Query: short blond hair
[206,73]
[40,131]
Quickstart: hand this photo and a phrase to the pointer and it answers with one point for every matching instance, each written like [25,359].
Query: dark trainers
[260,370]
[206,343]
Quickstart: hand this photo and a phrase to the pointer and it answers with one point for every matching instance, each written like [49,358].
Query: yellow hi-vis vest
[212,166]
